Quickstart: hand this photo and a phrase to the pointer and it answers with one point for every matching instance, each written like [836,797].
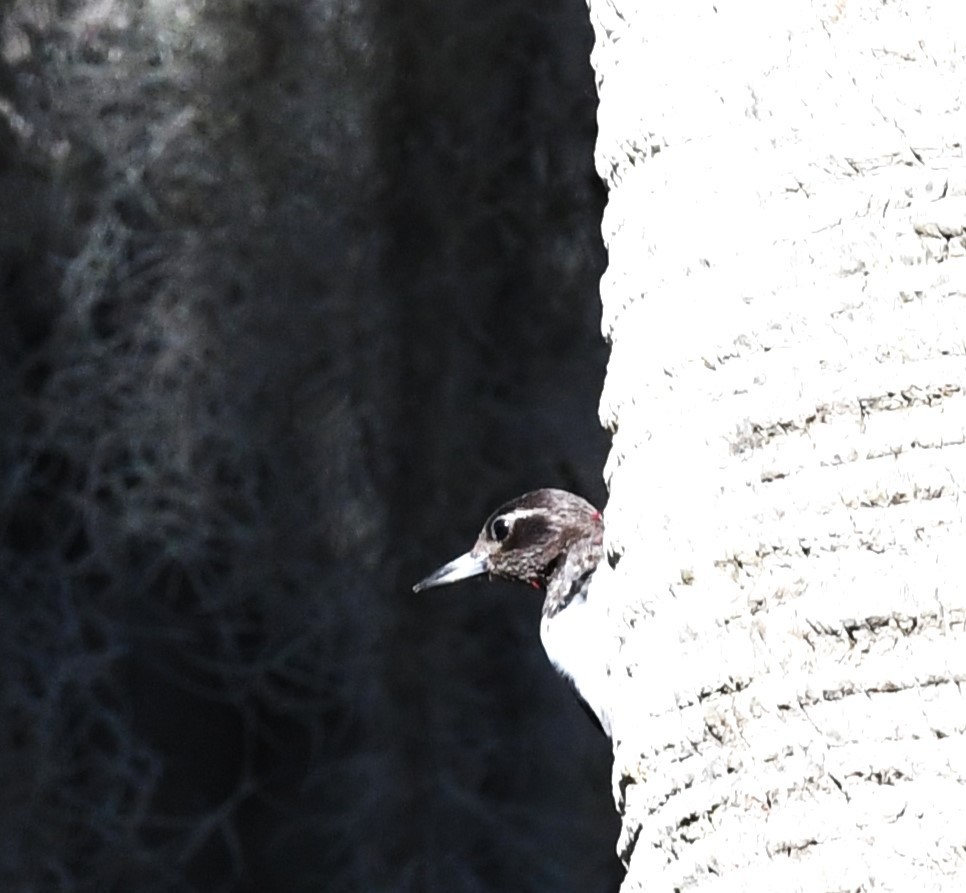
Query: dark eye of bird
[501,529]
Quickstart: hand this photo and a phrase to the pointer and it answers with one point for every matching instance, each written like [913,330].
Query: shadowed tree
[290,292]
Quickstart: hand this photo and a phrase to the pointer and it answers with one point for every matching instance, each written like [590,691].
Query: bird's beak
[468,565]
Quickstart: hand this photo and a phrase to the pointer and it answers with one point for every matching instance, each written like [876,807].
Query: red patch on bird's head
[536,584]
[597,516]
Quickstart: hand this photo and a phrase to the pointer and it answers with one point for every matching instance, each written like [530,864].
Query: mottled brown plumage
[552,540]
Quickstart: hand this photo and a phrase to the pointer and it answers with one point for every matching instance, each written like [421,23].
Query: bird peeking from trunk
[552,540]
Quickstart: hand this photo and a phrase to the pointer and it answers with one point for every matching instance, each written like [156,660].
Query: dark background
[292,295]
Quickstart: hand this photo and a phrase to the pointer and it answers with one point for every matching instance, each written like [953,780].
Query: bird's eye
[501,529]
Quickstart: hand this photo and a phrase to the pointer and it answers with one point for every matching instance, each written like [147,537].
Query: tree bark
[785,304]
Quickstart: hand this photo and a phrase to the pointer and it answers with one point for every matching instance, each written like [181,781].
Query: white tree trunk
[787,392]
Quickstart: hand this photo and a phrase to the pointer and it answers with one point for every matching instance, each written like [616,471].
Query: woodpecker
[552,540]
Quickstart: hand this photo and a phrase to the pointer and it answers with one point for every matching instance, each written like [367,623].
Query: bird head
[523,540]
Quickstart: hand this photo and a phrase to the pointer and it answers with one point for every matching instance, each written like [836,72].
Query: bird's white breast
[578,643]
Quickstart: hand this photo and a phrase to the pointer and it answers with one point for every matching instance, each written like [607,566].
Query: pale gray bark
[785,301]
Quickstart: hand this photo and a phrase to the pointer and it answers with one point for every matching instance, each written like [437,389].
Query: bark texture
[786,303]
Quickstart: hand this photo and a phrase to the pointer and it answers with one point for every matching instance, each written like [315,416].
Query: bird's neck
[571,575]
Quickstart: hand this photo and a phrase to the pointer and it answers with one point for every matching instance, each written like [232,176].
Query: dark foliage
[291,295]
